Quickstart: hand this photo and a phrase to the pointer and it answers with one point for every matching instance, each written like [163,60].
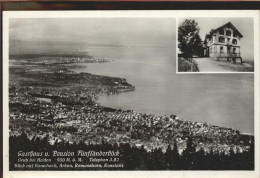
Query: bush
[187,65]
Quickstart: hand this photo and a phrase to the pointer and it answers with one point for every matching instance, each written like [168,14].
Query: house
[224,43]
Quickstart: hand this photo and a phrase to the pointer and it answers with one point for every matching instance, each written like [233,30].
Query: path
[209,65]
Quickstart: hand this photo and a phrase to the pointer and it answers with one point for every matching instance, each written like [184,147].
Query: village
[56,59]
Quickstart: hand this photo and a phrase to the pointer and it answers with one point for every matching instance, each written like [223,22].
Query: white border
[121,14]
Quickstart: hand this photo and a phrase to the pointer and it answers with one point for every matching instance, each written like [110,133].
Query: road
[209,65]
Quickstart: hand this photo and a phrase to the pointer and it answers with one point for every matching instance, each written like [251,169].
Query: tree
[188,154]
[168,157]
[189,39]
[175,157]
[191,147]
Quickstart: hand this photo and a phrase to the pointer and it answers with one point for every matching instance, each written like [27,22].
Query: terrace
[230,57]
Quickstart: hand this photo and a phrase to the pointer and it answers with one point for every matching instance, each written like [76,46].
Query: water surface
[220,99]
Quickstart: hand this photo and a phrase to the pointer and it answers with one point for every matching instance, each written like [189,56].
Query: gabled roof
[228,24]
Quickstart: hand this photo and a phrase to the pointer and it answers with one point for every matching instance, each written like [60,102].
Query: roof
[231,25]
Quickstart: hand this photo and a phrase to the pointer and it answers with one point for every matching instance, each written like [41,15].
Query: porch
[233,57]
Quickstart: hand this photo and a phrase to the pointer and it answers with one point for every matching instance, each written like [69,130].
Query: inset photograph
[215,45]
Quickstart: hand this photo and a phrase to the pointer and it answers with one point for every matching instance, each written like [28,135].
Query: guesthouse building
[224,43]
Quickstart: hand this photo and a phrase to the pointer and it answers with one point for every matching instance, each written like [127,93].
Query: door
[221,51]
[234,52]
[228,51]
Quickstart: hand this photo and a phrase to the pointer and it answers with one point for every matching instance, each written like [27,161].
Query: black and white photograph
[216,44]
[102,92]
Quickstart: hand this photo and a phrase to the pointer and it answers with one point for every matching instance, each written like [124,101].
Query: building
[224,43]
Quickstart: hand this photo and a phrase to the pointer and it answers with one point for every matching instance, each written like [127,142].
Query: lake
[220,99]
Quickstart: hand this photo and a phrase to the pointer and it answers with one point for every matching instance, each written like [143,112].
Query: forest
[136,158]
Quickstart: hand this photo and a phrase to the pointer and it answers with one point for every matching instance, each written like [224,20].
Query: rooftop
[227,24]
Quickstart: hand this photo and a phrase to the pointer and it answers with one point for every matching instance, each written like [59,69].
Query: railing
[225,43]
[228,55]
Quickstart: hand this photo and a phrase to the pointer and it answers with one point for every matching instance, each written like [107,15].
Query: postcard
[131,93]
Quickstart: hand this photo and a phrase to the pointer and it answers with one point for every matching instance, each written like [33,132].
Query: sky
[244,25]
[126,31]
[46,34]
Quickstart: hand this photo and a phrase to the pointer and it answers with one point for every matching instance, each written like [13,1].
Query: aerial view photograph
[104,94]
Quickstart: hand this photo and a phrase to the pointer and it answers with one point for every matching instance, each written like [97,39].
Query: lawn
[246,66]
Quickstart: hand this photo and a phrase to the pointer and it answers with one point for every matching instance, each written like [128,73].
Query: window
[228,33]
[235,34]
[234,41]
[234,50]
[221,39]
[221,32]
